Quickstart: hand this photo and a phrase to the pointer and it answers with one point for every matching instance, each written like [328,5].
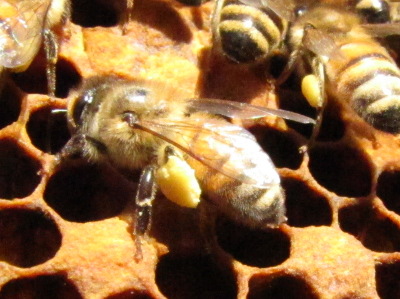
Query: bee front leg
[73,148]
[127,16]
[145,195]
[82,146]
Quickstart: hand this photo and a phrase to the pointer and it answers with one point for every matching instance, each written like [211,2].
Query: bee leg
[317,98]
[73,148]
[290,65]
[81,146]
[51,48]
[145,195]
[127,15]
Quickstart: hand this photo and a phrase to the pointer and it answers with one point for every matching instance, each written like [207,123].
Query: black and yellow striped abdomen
[247,34]
[369,79]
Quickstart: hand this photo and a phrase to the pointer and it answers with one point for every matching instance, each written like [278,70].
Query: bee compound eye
[80,106]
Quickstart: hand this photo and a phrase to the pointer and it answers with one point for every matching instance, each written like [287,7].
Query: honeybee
[23,26]
[145,125]
[248,31]
[349,63]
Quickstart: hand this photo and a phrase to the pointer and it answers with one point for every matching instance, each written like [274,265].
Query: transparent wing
[224,147]
[243,110]
[322,43]
[21,24]
[382,30]
[283,8]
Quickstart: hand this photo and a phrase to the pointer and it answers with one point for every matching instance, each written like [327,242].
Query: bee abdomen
[259,207]
[384,114]
[247,204]
[371,83]
[248,34]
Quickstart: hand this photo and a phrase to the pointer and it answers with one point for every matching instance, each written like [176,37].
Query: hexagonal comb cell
[130,295]
[332,127]
[259,248]
[304,206]
[10,101]
[292,100]
[288,287]
[194,276]
[18,171]
[47,129]
[374,231]
[95,13]
[27,237]
[387,279]
[283,150]
[67,77]
[341,169]
[34,79]
[83,192]
[387,190]
[41,287]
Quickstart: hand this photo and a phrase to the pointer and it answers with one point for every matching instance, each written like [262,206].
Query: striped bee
[23,26]
[179,144]
[349,63]
[247,31]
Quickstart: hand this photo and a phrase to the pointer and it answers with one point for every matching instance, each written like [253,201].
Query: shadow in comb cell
[169,22]
[93,13]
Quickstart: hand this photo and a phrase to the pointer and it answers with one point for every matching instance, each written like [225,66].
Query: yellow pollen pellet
[178,183]
[311,91]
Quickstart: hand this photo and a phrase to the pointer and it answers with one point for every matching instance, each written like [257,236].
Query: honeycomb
[66,231]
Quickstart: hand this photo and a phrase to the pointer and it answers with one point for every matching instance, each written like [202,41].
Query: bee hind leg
[51,48]
[313,89]
[127,16]
[145,195]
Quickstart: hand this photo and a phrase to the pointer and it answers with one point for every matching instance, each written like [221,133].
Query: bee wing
[322,43]
[21,23]
[220,145]
[283,8]
[382,30]
[233,109]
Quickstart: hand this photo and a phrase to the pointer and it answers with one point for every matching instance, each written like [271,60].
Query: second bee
[248,31]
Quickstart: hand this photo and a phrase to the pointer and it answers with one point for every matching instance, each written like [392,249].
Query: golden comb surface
[66,232]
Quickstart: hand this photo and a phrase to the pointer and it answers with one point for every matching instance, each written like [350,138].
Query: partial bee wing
[283,8]
[382,30]
[322,43]
[21,23]
[233,109]
[224,147]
